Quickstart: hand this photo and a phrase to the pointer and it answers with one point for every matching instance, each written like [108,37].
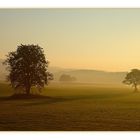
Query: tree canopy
[28,67]
[133,78]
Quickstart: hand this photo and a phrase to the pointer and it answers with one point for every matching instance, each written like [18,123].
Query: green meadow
[72,107]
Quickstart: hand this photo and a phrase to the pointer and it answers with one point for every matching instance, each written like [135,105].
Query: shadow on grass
[33,99]
[36,99]
[23,96]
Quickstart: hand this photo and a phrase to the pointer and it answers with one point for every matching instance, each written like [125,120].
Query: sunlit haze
[101,39]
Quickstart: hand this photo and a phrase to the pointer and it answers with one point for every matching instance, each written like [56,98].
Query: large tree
[28,67]
[133,78]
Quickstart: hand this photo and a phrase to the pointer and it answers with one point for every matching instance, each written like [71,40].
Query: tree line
[28,67]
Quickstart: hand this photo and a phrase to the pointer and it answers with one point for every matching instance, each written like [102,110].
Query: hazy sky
[103,39]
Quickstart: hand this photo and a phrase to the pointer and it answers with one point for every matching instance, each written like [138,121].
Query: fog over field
[92,76]
[3,71]
[81,75]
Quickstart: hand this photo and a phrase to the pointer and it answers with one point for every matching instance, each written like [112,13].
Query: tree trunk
[135,88]
[28,85]
[28,89]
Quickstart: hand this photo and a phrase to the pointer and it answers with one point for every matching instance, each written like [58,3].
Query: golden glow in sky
[102,39]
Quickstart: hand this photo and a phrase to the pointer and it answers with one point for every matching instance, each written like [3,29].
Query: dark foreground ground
[72,108]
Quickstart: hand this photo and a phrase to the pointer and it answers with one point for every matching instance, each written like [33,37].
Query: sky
[101,39]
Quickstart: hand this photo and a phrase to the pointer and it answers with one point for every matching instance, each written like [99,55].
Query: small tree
[28,67]
[67,78]
[133,78]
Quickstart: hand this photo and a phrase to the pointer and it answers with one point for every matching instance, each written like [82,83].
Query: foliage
[28,67]
[133,78]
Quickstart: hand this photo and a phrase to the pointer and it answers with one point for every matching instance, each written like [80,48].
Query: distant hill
[82,75]
[92,76]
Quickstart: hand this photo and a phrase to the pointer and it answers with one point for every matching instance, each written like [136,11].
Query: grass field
[75,107]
